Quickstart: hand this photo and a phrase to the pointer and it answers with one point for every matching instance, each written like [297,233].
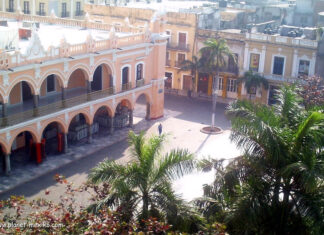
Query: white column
[34,7]
[18,5]
[312,65]
[294,72]
[71,10]
[4,5]
[243,90]
[262,59]
[246,57]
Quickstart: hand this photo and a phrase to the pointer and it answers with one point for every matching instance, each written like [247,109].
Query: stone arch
[58,121]
[28,80]
[3,97]
[58,74]
[127,101]
[102,77]
[104,62]
[36,138]
[107,107]
[84,68]
[86,115]
[147,96]
[5,148]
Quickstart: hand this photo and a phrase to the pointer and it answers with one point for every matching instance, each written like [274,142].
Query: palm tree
[253,81]
[214,56]
[143,187]
[194,66]
[276,186]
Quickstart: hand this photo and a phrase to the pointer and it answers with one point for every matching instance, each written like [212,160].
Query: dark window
[26,7]
[125,75]
[303,69]
[278,65]
[64,13]
[50,83]
[78,9]
[41,8]
[168,81]
[232,63]
[11,6]
[139,72]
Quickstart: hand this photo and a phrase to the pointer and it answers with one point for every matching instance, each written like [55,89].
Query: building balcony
[79,13]
[177,64]
[178,46]
[126,86]
[10,10]
[41,13]
[65,14]
[50,104]
[140,82]
[168,63]
[230,69]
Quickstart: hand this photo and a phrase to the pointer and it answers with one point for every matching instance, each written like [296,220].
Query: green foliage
[214,54]
[253,80]
[142,187]
[276,186]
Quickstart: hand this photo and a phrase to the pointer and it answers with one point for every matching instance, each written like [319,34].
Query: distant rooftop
[171,6]
[49,35]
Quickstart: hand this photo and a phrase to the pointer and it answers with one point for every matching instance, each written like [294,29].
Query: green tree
[253,81]
[276,186]
[194,66]
[214,57]
[143,187]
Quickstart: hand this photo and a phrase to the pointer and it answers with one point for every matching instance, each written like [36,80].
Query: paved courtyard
[182,122]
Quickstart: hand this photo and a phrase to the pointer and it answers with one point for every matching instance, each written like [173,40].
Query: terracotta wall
[15,94]
[77,79]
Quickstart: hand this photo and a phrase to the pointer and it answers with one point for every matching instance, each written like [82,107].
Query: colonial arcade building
[63,80]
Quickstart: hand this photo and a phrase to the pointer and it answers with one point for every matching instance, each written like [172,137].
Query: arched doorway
[51,90]
[123,115]
[21,98]
[23,150]
[142,108]
[78,84]
[79,130]
[102,78]
[103,120]
[53,136]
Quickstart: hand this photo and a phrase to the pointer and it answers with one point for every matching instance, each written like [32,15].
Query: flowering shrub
[41,216]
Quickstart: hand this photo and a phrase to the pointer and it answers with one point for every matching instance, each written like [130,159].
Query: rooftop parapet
[277,39]
[63,38]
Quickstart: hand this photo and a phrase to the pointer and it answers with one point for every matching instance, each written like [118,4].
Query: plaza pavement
[182,121]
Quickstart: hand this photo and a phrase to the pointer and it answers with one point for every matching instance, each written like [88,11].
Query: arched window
[139,72]
[125,75]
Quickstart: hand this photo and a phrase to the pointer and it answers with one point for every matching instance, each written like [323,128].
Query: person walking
[160,129]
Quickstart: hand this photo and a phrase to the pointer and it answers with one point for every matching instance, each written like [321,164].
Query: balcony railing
[231,69]
[54,107]
[167,62]
[10,10]
[41,13]
[127,86]
[140,82]
[65,14]
[178,46]
[78,13]
[177,64]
